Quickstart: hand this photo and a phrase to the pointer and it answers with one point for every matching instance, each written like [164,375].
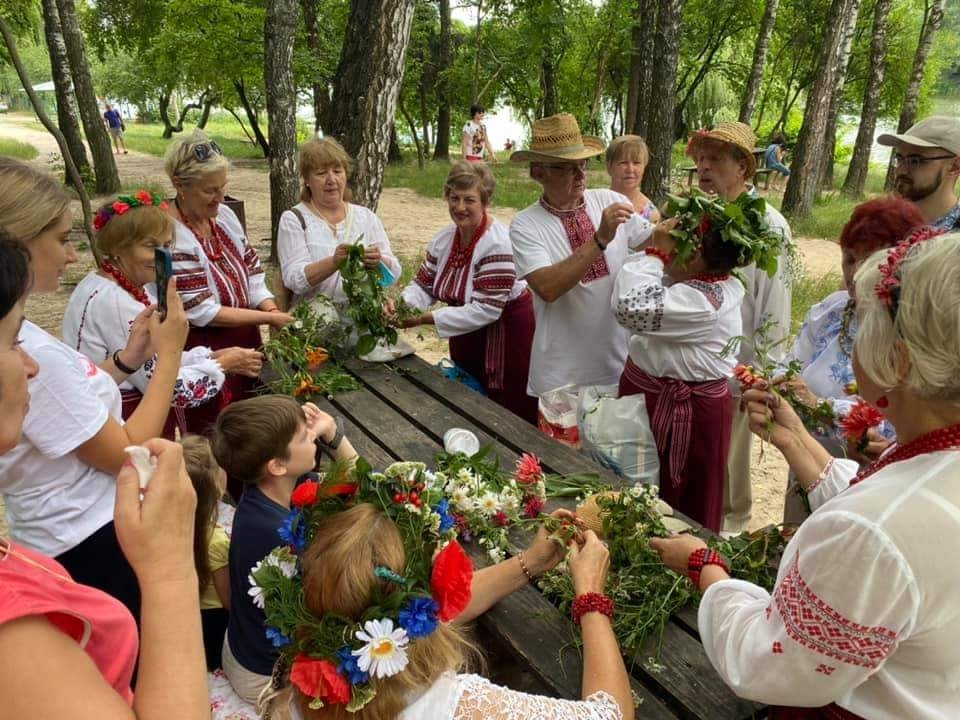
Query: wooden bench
[402,412]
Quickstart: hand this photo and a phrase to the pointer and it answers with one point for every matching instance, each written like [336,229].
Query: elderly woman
[313,237]
[218,272]
[106,302]
[59,481]
[863,618]
[469,266]
[627,158]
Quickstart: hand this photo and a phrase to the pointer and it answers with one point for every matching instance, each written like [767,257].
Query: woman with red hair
[825,341]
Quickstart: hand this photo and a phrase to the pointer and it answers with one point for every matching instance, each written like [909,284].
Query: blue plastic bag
[452,371]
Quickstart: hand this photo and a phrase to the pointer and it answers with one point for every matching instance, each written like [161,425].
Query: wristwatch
[334,443]
[702,557]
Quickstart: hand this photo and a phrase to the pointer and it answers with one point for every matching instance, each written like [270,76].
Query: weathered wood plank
[362,443]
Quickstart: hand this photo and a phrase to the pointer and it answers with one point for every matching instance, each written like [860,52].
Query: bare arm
[221,582]
[236,317]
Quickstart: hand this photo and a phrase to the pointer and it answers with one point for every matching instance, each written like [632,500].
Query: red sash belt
[494,358]
[672,411]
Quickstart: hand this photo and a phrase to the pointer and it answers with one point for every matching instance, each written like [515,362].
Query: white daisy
[282,560]
[411,508]
[465,476]
[383,653]
[460,497]
[255,592]
[509,501]
[489,503]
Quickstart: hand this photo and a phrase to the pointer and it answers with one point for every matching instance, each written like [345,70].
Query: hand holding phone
[163,261]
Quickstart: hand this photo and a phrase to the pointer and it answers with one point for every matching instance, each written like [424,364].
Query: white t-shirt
[53,499]
[297,248]
[578,340]
[682,330]
[97,322]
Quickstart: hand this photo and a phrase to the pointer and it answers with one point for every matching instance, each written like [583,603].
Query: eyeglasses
[912,162]
[203,151]
[571,168]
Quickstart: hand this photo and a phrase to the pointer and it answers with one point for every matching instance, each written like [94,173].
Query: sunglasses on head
[203,151]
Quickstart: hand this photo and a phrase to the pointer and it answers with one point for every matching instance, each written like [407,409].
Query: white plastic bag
[557,415]
[615,432]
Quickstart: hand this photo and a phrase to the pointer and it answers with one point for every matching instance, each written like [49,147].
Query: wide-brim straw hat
[734,133]
[558,138]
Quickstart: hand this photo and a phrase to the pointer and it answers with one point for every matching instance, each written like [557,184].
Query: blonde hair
[338,577]
[320,154]
[181,159]
[31,202]
[202,469]
[465,176]
[927,322]
[123,232]
[628,147]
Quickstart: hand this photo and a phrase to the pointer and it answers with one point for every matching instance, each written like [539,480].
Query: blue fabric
[452,371]
[113,118]
[770,160]
[255,527]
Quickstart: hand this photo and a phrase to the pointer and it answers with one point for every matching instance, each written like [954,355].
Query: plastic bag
[557,415]
[615,432]
[452,371]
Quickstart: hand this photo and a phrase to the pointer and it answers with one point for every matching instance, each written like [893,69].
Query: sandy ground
[410,221]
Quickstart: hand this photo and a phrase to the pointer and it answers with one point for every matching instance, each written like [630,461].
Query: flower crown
[333,658]
[888,287]
[123,203]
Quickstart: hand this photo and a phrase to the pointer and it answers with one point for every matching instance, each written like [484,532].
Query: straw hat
[737,134]
[558,138]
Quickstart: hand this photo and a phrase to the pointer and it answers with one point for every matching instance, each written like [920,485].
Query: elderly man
[569,246]
[927,160]
[725,163]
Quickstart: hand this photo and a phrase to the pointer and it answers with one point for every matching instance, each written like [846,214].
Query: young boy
[266,442]
[677,361]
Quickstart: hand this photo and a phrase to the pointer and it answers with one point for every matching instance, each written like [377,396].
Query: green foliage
[808,290]
[226,132]
[14,148]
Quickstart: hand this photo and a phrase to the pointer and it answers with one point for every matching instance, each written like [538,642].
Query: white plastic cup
[460,440]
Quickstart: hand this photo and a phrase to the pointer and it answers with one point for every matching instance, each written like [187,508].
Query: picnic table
[401,413]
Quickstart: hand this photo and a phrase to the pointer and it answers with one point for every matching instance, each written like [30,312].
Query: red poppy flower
[120,207]
[320,679]
[339,489]
[450,581]
[304,494]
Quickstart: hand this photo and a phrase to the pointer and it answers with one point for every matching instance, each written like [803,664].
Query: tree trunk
[441,145]
[45,120]
[413,132]
[279,29]
[261,140]
[548,83]
[205,113]
[836,97]
[395,155]
[67,113]
[856,179]
[663,84]
[807,168]
[163,108]
[313,45]
[104,166]
[932,18]
[477,38]
[641,67]
[368,81]
[749,98]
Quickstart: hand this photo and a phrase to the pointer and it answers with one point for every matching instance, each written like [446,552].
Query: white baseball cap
[937,131]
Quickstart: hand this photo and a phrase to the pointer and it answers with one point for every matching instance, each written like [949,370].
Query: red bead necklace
[212,246]
[711,277]
[945,438]
[123,281]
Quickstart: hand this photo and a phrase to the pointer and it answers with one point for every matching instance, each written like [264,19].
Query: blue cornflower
[447,520]
[348,667]
[419,617]
[277,638]
[293,531]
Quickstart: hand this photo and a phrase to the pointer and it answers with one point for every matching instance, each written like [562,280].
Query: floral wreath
[123,203]
[333,659]
[888,287]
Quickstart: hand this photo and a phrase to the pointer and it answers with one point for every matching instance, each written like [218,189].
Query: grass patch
[14,148]
[807,292]
[146,138]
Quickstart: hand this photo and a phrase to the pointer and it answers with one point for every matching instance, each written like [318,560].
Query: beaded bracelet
[600,245]
[120,366]
[657,252]
[700,558]
[591,602]
[523,566]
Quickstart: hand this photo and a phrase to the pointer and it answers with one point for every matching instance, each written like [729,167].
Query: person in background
[116,128]
[475,142]
[725,163]
[569,247]
[773,159]
[52,626]
[927,161]
[489,314]
[627,158]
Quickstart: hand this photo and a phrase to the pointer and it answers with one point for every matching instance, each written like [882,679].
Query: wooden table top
[401,413]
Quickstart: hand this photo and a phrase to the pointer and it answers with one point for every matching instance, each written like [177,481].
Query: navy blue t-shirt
[254,536]
[113,118]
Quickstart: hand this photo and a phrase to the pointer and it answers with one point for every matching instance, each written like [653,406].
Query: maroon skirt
[498,356]
[828,712]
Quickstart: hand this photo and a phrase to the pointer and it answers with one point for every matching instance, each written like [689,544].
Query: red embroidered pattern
[777,648]
[825,669]
[817,626]
[427,274]
[579,229]
[193,302]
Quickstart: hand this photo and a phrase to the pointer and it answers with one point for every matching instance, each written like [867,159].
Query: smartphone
[163,261]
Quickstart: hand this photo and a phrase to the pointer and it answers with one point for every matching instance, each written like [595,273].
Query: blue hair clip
[385,573]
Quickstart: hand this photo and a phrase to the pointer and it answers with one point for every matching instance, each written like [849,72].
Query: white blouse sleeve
[834,479]
[294,253]
[375,236]
[199,378]
[642,304]
[839,609]
[257,290]
[479,698]
[419,293]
